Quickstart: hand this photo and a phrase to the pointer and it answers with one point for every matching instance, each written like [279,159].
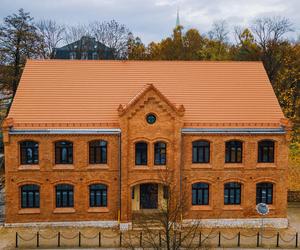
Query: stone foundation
[239,223]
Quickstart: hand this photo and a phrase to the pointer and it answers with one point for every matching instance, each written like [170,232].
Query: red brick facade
[134,127]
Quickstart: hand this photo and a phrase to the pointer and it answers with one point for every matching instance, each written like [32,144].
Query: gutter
[255,131]
[65,131]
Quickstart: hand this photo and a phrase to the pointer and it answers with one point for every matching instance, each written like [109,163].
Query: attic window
[151,118]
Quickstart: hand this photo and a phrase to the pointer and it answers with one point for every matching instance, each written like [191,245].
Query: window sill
[29,167]
[160,166]
[234,165]
[201,165]
[201,208]
[232,207]
[98,210]
[64,210]
[266,165]
[141,167]
[63,167]
[29,211]
[97,166]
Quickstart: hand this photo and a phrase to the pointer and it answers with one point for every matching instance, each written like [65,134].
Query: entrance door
[148,196]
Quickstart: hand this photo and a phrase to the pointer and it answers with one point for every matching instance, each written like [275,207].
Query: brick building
[88,141]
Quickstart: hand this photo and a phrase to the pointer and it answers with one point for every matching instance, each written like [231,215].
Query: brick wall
[179,162]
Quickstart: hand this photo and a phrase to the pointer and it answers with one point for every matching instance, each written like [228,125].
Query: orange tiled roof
[76,93]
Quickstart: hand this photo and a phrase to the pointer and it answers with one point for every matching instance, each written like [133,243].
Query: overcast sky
[155,19]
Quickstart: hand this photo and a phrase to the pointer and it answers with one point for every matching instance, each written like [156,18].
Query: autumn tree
[19,40]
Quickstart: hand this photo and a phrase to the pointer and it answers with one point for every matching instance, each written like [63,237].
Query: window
[84,56]
[200,194]
[264,193]
[63,152]
[98,195]
[233,152]
[165,192]
[30,196]
[64,195]
[98,152]
[201,151]
[29,152]
[151,118]
[72,55]
[160,153]
[95,56]
[232,193]
[266,151]
[141,153]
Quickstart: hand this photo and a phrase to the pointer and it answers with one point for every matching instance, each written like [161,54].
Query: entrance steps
[147,219]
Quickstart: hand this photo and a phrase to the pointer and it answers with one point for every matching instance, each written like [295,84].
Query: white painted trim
[102,224]
[238,223]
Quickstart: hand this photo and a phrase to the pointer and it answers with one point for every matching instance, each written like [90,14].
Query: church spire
[177,19]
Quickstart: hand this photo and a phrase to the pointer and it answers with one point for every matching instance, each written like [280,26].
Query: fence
[121,239]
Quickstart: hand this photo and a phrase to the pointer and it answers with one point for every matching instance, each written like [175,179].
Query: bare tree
[219,31]
[270,29]
[52,34]
[75,33]
[113,34]
[269,34]
[165,228]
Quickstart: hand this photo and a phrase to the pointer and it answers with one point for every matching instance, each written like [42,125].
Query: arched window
[141,149]
[98,195]
[98,152]
[29,152]
[160,153]
[64,195]
[30,196]
[264,193]
[232,193]
[234,151]
[200,193]
[266,151]
[63,152]
[201,151]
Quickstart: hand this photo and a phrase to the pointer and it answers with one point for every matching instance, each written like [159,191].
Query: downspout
[180,174]
[120,176]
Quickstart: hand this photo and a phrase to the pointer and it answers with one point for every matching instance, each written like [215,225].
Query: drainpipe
[180,173]
[120,176]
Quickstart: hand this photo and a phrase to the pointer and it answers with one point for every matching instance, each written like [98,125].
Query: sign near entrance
[262,208]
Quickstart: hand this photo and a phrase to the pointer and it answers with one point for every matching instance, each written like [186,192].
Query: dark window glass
[233,152]
[30,196]
[141,153]
[200,194]
[63,152]
[64,195]
[95,56]
[166,192]
[201,151]
[264,193]
[232,193]
[98,195]
[266,151]
[29,152]
[98,152]
[160,153]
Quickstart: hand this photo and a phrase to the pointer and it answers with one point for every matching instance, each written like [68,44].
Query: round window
[151,118]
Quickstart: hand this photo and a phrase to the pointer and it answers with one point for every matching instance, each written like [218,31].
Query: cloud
[155,19]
